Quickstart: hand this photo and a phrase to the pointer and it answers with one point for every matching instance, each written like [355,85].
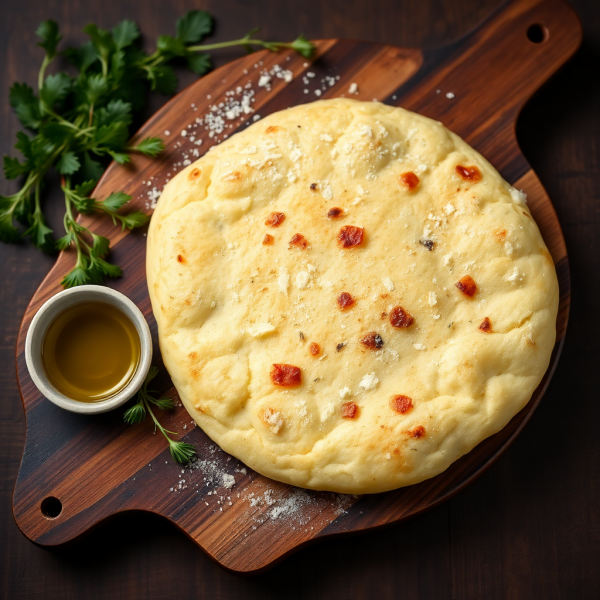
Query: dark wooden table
[528,528]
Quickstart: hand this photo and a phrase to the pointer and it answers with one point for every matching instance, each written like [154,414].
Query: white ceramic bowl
[45,316]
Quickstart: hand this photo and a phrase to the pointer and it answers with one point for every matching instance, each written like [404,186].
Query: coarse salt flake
[514,276]
[260,329]
[228,481]
[273,419]
[283,281]
[302,279]
[264,80]
[345,392]
[368,382]
[518,196]
[328,411]
[389,284]
[326,191]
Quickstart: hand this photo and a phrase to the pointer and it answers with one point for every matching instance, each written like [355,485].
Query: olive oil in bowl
[90,351]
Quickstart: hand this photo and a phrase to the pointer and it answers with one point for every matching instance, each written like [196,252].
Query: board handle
[479,84]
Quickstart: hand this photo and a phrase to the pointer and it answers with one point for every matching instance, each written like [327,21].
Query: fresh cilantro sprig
[78,123]
[181,452]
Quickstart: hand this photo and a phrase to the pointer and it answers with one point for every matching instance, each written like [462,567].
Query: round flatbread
[349,297]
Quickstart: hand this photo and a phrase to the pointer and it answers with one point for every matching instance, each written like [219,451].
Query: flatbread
[448,321]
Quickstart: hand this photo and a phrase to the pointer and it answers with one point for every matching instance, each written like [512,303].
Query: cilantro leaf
[115,201]
[78,276]
[21,93]
[90,169]
[120,157]
[170,45]
[23,145]
[163,79]
[134,219]
[38,149]
[48,32]
[95,274]
[85,188]
[40,233]
[13,168]
[130,221]
[303,46]
[199,63]
[29,115]
[101,39]
[68,163]
[57,133]
[25,104]
[151,146]
[194,26]
[113,136]
[84,204]
[125,33]
[115,110]
[132,90]
[101,245]
[22,207]
[64,242]
[117,67]
[82,58]
[106,269]
[55,89]
[95,87]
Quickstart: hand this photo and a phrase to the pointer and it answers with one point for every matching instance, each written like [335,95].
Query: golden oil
[91,351]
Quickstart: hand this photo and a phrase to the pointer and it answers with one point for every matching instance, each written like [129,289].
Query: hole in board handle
[537,33]
[51,507]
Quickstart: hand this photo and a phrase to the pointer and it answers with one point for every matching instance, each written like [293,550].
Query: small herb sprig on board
[80,122]
[181,452]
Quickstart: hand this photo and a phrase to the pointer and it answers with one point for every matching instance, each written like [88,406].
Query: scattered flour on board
[214,476]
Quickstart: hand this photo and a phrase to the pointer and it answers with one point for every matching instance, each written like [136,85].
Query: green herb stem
[241,42]
[47,60]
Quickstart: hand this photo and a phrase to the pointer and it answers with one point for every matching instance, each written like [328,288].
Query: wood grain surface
[485,129]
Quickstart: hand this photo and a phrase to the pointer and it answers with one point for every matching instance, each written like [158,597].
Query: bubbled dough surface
[465,384]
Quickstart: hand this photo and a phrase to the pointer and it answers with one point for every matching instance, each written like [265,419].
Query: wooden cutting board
[78,470]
